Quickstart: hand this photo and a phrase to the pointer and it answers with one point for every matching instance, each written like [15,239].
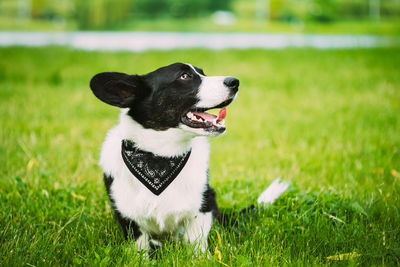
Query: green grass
[205,24]
[390,27]
[327,121]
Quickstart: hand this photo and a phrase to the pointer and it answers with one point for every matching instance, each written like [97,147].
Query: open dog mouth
[198,118]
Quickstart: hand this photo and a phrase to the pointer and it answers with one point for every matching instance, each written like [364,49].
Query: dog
[155,161]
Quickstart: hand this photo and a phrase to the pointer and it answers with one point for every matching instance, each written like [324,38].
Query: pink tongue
[205,116]
[211,117]
[221,114]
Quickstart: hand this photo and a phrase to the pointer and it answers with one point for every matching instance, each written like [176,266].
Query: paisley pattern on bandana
[155,172]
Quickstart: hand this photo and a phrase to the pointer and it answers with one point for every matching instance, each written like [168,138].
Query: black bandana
[155,172]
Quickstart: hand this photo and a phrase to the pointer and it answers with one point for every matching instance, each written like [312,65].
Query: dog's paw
[272,192]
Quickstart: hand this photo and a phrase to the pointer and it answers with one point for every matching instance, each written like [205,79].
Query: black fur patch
[156,100]
[209,203]
[170,97]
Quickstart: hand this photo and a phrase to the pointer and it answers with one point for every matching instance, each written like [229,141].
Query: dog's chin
[209,131]
[202,124]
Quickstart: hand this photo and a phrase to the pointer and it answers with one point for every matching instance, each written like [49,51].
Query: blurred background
[320,16]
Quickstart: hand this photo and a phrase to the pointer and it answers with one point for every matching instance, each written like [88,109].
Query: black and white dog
[155,161]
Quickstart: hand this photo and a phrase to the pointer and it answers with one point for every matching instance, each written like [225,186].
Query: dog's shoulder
[110,155]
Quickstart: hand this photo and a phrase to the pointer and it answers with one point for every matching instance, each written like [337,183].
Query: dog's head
[175,96]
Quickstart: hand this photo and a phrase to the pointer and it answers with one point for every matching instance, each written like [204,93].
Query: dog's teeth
[197,118]
[190,115]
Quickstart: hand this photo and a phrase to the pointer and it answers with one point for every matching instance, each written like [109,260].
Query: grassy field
[327,121]
[390,27]
[384,27]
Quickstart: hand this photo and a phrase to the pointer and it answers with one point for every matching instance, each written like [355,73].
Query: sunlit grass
[326,121]
[252,25]
[206,24]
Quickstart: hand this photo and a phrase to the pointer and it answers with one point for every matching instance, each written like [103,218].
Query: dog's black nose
[232,83]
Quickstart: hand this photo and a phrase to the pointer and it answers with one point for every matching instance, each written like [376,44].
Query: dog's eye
[185,76]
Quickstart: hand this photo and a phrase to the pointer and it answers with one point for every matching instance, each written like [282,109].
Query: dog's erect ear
[118,89]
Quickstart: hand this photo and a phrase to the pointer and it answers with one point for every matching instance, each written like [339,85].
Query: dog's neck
[169,143]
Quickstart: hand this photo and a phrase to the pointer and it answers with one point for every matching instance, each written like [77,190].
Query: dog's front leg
[197,229]
[142,243]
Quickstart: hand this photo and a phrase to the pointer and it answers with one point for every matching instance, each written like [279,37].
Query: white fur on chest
[178,203]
